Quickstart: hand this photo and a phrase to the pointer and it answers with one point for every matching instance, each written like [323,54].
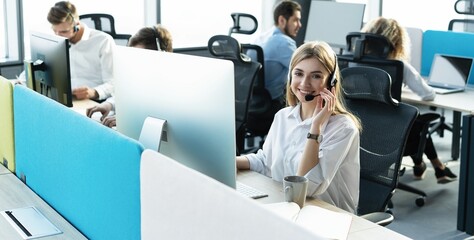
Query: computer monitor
[48,70]
[195,95]
[331,21]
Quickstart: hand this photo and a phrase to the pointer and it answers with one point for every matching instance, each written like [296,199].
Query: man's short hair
[285,8]
[61,12]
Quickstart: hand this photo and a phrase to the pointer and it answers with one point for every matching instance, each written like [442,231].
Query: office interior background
[191,23]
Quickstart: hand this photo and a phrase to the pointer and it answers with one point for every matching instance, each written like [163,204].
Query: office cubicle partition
[87,172]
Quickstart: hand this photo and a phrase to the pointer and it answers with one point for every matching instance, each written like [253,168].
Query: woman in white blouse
[398,37]
[316,138]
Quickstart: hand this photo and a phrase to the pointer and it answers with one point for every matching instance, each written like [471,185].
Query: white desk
[15,194]
[360,228]
[4,170]
[457,102]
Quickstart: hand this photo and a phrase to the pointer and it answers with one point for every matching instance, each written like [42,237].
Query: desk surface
[4,170]
[460,101]
[360,228]
[15,194]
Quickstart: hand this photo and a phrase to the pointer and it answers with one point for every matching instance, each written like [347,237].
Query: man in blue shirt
[278,45]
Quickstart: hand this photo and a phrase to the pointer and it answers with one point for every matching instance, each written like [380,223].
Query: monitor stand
[152,133]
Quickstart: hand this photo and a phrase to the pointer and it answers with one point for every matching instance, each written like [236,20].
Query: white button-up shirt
[91,62]
[336,178]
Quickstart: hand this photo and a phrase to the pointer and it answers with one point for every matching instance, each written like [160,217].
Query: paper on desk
[323,222]
[33,221]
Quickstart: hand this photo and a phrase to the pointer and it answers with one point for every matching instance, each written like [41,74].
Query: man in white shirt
[90,54]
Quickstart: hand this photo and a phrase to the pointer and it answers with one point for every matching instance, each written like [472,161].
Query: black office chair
[106,23]
[261,100]
[367,49]
[367,92]
[245,74]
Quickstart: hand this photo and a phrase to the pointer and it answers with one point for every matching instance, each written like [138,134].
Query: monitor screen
[331,21]
[48,70]
[195,95]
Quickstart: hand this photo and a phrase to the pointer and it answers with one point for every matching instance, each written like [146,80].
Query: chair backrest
[261,100]
[244,23]
[366,49]
[367,95]
[245,74]
[106,23]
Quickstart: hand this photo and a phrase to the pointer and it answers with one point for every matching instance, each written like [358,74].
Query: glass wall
[424,14]
[129,15]
[192,23]
[10,47]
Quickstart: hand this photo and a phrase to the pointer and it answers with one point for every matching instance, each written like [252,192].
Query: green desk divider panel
[7,142]
[445,42]
[87,172]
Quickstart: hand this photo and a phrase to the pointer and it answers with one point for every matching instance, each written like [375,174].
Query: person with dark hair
[153,38]
[397,35]
[90,54]
[277,50]
[316,137]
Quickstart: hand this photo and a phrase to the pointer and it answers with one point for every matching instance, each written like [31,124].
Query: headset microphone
[332,81]
[310,97]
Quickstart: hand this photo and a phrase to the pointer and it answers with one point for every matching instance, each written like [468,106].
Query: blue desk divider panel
[7,145]
[445,42]
[87,172]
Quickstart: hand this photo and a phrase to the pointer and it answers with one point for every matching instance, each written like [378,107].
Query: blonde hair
[322,52]
[395,33]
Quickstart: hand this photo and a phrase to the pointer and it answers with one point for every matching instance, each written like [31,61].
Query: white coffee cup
[295,188]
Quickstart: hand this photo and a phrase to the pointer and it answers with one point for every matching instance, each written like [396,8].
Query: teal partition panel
[87,172]
[445,42]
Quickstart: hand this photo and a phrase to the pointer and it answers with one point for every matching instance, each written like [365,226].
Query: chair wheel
[420,201]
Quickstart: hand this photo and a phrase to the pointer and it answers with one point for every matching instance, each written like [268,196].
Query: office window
[3,31]
[424,14]
[128,15]
[192,23]
[9,32]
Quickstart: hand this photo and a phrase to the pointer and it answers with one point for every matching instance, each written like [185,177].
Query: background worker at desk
[398,37]
[90,54]
[329,157]
[277,50]
[153,38]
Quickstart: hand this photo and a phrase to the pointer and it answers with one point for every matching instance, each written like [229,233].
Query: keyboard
[249,191]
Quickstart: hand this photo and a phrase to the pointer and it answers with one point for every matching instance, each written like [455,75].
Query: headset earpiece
[332,78]
[76,27]
[157,38]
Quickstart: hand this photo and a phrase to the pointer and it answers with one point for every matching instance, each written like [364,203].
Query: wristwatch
[317,137]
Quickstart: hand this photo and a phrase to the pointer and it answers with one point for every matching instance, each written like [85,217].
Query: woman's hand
[325,105]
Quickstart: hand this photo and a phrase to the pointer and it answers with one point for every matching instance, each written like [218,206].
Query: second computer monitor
[331,21]
[48,70]
[195,95]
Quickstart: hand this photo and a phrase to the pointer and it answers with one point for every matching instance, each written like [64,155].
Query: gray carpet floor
[437,219]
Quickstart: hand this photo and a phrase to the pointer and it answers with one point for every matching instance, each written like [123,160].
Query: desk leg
[455,144]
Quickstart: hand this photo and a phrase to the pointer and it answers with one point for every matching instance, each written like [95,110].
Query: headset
[332,77]
[157,38]
[69,13]
[333,80]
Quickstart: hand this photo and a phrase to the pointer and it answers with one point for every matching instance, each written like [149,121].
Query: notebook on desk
[449,73]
